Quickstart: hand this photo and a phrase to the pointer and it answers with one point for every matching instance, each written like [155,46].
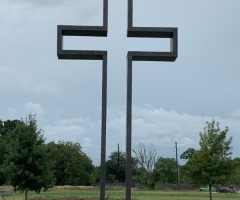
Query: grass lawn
[54,194]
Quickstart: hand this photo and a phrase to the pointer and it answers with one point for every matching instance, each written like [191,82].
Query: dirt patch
[6,188]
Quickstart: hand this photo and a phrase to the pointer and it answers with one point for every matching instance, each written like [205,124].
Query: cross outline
[101,31]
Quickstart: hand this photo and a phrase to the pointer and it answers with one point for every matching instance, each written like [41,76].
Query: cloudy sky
[171,101]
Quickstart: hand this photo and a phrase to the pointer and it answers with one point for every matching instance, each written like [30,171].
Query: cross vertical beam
[129,128]
[98,31]
[152,32]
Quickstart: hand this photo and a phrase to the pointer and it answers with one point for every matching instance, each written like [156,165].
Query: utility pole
[177,166]
[118,170]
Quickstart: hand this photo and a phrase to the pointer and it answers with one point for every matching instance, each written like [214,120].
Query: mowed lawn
[119,194]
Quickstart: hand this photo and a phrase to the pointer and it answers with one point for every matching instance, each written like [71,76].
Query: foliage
[188,153]
[9,125]
[115,171]
[2,152]
[235,177]
[165,170]
[26,164]
[184,177]
[184,171]
[212,163]
[71,165]
[115,167]
[5,128]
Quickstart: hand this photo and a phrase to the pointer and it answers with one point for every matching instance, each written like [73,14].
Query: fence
[168,186]
[7,195]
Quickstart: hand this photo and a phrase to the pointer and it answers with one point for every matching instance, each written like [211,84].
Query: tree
[8,126]
[71,165]
[235,177]
[115,167]
[5,128]
[2,152]
[26,164]
[146,157]
[184,172]
[165,170]
[211,164]
[184,175]
[187,154]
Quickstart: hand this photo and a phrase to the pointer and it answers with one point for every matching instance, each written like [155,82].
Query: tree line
[28,163]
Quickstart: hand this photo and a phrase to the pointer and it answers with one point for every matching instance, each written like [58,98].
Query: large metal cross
[101,31]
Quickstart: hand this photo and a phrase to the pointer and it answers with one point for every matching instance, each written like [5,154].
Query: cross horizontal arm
[81,55]
[155,32]
[152,32]
[98,31]
[152,56]
[92,31]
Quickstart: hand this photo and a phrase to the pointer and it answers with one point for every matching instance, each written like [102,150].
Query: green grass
[53,194]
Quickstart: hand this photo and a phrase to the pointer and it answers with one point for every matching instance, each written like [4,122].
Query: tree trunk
[26,194]
[210,191]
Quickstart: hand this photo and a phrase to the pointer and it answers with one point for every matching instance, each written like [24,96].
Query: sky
[171,101]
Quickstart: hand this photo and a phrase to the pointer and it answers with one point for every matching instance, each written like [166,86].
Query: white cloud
[46,87]
[236,114]
[64,133]
[11,112]
[19,79]
[21,112]
[10,77]
[74,129]
[159,126]
[74,121]
[39,3]
[34,108]
[54,3]
[87,143]
[185,142]
[163,128]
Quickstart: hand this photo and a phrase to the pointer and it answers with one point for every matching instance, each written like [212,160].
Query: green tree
[235,177]
[5,127]
[184,177]
[117,174]
[184,172]
[8,126]
[26,164]
[72,166]
[115,167]
[211,164]
[187,154]
[2,152]
[165,170]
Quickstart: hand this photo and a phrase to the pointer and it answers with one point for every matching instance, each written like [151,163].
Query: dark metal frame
[151,32]
[101,31]
[98,31]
